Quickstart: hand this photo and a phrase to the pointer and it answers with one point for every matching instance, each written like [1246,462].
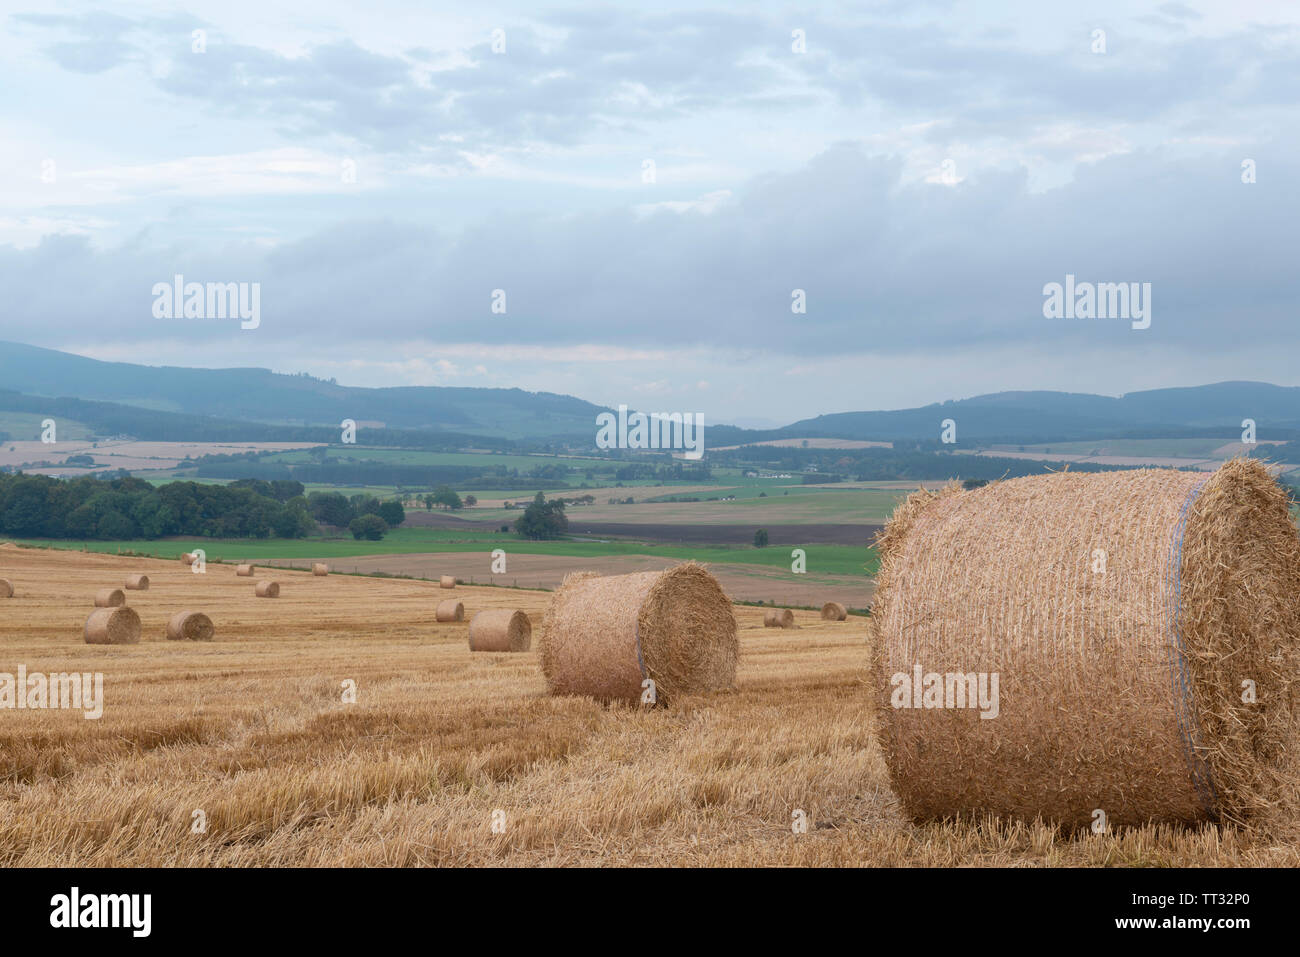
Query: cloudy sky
[650,186]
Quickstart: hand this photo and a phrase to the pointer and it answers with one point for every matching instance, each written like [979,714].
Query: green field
[821,559]
[796,505]
[26,427]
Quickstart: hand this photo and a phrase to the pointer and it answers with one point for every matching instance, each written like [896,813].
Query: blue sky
[920,170]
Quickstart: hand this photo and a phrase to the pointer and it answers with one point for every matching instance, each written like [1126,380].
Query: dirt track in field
[741,582]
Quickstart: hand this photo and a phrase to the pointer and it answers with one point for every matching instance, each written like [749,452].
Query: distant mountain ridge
[1052,416]
[263,398]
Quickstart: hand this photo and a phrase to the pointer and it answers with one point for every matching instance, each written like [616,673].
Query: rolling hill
[171,400]
[262,396]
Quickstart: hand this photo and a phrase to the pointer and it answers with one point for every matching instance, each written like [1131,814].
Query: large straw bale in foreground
[500,629]
[189,626]
[450,610]
[113,626]
[1121,613]
[109,598]
[604,635]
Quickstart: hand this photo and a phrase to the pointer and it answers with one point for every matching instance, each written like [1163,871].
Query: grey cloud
[887,267]
[570,89]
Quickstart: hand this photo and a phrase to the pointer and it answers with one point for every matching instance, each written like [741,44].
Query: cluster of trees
[444,496]
[363,515]
[677,472]
[551,473]
[543,520]
[125,508]
[37,506]
[578,500]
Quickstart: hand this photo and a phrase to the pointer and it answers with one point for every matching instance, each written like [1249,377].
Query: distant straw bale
[189,626]
[450,610]
[109,598]
[500,629]
[267,589]
[137,582]
[778,618]
[834,611]
[113,626]
[447,581]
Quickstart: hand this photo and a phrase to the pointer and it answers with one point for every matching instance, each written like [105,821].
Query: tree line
[123,509]
[127,508]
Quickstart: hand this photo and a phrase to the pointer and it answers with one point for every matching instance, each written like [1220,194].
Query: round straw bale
[187,558]
[137,582]
[113,626]
[1143,628]
[450,610]
[245,571]
[834,611]
[778,618]
[500,629]
[6,589]
[320,568]
[109,598]
[189,626]
[447,581]
[266,589]
[604,635]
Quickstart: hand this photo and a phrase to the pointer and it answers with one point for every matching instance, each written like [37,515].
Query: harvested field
[600,494]
[741,582]
[251,729]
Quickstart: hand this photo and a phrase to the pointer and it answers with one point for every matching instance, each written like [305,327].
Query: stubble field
[251,730]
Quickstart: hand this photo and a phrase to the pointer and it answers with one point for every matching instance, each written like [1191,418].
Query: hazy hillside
[1054,416]
[177,396]
[258,395]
